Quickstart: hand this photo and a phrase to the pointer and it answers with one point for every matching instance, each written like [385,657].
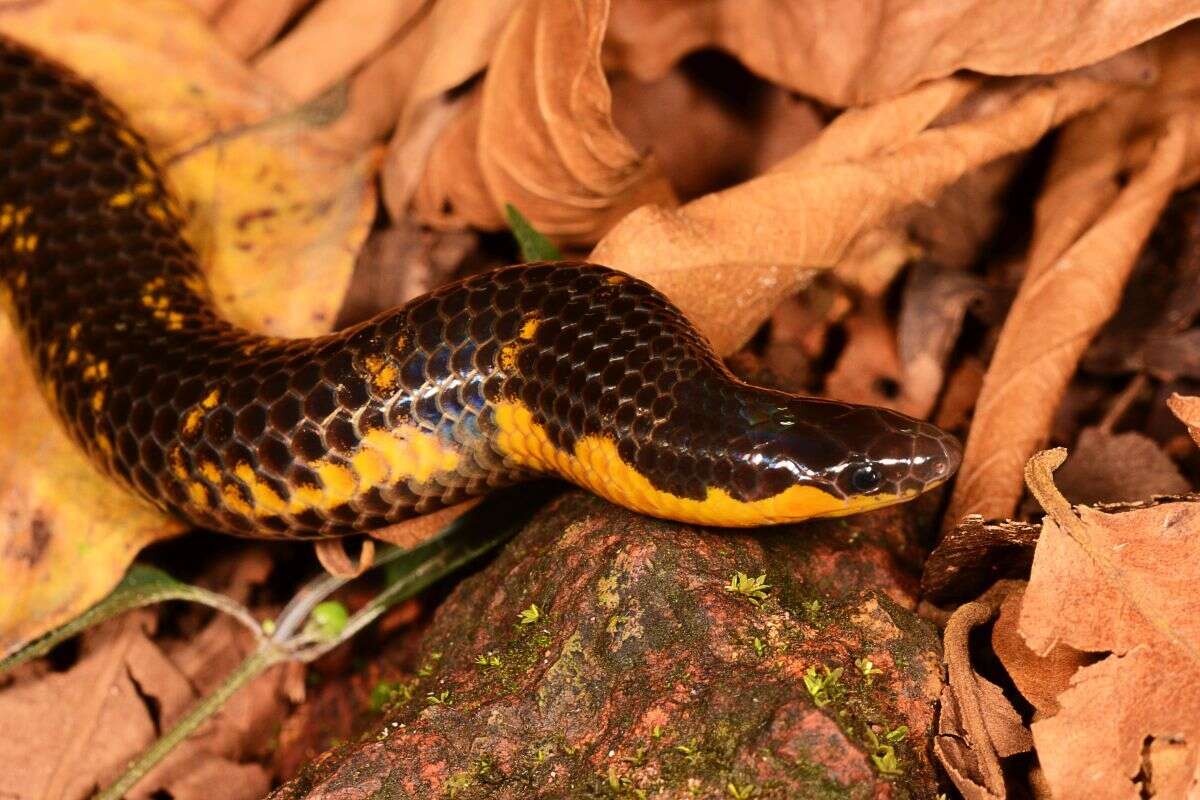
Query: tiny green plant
[530,615]
[440,699]
[867,669]
[824,687]
[489,659]
[742,791]
[542,753]
[753,589]
[883,754]
[811,606]
[760,647]
[691,752]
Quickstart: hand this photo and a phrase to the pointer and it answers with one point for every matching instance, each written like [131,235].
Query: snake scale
[568,369]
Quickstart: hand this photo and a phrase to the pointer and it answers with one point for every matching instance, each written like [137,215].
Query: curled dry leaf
[849,54]
[1090,225]
[546,142]
[977,726]
[1098,585]
[277,214]
[1187,408]
[458,43]
[1118,467]
[1040,678]
[333,39]
[932,310]
[247,26]
[728,257]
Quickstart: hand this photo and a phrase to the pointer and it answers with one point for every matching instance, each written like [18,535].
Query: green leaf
[143,585]
[534,246]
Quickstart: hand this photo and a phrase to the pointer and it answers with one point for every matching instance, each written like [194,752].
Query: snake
[563,369]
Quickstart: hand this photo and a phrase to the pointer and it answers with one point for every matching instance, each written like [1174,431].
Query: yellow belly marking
[596,465]
[384,458]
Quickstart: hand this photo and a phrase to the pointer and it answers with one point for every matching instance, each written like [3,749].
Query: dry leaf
[332,40]
[1098,585]
[247,26]
[546,141]
[1090,225]
[79,728]
[757,242]
[1040,678]
[458,44]
[977,725]
[1108,467]
[1188,410]
[849,54]
[277,215]
[932,310]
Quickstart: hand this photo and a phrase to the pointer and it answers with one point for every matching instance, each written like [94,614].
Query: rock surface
[645,676]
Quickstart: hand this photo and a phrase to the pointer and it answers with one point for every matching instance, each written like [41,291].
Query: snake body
[569,369]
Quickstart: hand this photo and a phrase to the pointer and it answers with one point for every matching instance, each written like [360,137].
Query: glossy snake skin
[568,369]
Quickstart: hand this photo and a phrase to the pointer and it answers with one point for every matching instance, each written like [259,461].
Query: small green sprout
[811,606]
[616,782]
[638,758]
[691,753]
[760,647]
[328,620]
[825,688]
[867,669]
[439,699]
[883,754]
[741,792]
[530,615]
[887,762]
[384,694]
[488,660]
[656,732]
[753,589]
[542,753]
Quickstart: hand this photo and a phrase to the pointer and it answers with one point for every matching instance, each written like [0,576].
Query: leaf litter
[880,171]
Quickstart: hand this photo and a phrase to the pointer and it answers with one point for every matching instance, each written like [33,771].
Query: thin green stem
[255,664]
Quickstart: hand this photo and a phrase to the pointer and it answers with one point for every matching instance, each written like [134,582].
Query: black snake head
[857,457]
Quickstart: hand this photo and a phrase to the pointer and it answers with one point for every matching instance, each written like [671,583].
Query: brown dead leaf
[758,241]
[1040,678]
[1123,584]
[458,43]
[277,214]
[868,370]
[333,39]
[1091,221]
[1108,467]
[1188,410]
[932,311]
[79,728]
[546,141]
[977,726]
[849,54]
[247,26]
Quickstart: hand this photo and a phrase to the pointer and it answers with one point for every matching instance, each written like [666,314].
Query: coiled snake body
[569,369]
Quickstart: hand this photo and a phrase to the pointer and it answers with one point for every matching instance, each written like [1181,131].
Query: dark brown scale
[177,403]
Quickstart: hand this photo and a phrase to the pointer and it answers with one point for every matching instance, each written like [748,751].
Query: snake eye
[865,478]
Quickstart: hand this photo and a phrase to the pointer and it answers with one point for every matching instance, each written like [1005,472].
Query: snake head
[856,457]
